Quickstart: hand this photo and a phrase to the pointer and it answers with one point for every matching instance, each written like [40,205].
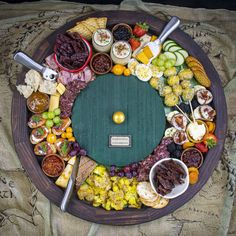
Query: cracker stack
[198,71]
[87,27]
[149,198]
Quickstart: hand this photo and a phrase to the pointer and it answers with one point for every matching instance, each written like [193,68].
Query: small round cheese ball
[177,89]
[170,72]
[166,90]
[185,74]
[188,94]
[171,100]
[172,80]
[154,82]
[185,84]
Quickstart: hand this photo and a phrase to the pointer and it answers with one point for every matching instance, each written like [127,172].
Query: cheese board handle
[169,28]
[25,60]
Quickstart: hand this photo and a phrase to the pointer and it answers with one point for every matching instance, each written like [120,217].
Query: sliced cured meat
[51,62]
[204,96]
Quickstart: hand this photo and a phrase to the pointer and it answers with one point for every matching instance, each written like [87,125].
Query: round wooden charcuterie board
[79,208]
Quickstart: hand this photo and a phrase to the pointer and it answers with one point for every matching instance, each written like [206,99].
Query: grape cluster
[163,62]
[128,171]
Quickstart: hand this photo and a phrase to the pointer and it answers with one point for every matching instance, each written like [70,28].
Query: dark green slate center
[92,118]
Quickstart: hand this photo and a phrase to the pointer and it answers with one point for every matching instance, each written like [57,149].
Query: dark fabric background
[210,4]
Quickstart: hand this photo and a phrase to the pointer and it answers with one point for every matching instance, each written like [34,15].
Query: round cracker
[145,191]
[192,59]
[202,78]
[195,64]
[162,202]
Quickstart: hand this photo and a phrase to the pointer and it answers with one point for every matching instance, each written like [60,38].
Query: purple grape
[83,152]
[134,166]
[121,174]
[128,175]
[112,167]
[76,146]
[134,173]
[73,153]
[126,169]
[112,173]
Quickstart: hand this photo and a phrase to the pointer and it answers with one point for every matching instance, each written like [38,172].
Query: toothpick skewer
[191,107]
[183,113]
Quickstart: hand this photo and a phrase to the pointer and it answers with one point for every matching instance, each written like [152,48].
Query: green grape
[51,115]
[49,123]
[160,62]
[172,61]
[168,64]
[56,120]
[154,61]
[162,68]
[57,111]
[45,115]
[163,57]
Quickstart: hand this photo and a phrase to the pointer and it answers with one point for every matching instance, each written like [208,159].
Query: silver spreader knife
[70,185]
[155,46]
[25,60]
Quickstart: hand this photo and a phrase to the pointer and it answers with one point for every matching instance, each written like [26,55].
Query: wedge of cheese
[33,79]
[63,179]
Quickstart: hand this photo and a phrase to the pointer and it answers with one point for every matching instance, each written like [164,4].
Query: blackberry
[179,147]
[195,103]
[177,153]
[171,147]
[185,107]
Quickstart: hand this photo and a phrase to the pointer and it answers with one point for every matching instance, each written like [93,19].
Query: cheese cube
[142,58]
[61,88]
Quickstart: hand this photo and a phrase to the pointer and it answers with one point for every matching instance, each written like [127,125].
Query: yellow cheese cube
[61,88]
[142,57]
[147,52]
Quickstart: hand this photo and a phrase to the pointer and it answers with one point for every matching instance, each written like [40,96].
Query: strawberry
[140,29]
[210,140]
[201,147]
[134,43]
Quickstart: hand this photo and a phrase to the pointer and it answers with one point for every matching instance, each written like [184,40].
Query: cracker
[102,22]
[92,22]
[160,203]
[82,30]
[146,192]
[91,28]
[202,78]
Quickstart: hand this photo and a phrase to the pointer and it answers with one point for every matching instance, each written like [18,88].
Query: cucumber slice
[167,41]
[170,55]
[174,48]
[179,59]
[169,45]
[183,52]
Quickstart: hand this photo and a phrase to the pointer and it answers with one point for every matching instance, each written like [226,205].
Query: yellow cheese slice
[54,101]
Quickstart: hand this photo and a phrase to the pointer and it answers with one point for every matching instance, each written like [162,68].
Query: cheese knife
[70,185]
[27,61]
[155,46]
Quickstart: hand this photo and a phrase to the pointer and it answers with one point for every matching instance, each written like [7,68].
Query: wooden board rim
[129,216]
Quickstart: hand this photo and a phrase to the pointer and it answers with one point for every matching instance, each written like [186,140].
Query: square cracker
[102,22]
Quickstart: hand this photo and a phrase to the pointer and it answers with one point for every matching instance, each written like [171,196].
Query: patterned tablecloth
[25,211]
